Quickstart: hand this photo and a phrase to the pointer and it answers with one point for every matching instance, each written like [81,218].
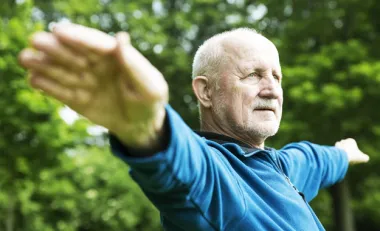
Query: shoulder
[301,145]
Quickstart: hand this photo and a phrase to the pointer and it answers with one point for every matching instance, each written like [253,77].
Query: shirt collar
[223,139]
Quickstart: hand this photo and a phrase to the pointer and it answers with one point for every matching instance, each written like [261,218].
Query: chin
[265,129]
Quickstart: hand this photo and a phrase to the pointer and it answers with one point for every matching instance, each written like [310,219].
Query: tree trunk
[343,215]
[10,221]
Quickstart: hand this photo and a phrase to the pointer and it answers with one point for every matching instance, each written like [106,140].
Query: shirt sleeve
[187,180]
[311,167]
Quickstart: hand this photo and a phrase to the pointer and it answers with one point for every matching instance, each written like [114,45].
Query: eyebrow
[263,70]
[259,67]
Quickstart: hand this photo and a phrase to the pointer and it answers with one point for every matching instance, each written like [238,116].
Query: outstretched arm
[108,81]
[103,78]
[311,167]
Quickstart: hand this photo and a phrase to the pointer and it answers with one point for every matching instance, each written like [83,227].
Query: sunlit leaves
[329,55]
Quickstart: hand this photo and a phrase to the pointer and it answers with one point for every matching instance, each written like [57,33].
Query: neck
[208,124]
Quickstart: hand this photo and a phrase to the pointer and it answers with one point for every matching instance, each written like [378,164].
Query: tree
[50,179]
[330,63]
[32,133]
[91,190]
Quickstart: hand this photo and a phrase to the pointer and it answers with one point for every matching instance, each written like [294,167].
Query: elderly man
[222,178]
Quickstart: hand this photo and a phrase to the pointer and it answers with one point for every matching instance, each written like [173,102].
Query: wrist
[145,135]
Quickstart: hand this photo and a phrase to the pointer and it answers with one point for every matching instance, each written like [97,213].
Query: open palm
[101,77]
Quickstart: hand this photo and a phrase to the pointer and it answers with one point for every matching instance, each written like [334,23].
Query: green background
[55,176]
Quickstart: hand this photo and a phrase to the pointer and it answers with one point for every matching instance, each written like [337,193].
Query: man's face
[248,95]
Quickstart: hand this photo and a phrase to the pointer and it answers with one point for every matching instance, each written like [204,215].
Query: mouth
[265,109]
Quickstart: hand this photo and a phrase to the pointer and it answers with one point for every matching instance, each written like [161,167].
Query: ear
[201,89]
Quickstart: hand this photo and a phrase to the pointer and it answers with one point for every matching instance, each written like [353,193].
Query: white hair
[210,56]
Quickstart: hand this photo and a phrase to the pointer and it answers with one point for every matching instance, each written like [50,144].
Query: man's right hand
[102,78]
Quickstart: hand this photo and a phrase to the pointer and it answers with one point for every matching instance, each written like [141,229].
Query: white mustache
[269,104]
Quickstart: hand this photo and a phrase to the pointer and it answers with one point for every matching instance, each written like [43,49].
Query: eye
[253,74]
[277,77]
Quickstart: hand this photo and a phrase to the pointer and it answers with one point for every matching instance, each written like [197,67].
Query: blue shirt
[223,184]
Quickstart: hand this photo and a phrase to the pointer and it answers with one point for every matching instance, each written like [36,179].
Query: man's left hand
[355,156]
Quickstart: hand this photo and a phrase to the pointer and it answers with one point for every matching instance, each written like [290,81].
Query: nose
[270,88]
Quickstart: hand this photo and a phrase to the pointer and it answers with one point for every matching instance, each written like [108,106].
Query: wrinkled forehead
[255,49]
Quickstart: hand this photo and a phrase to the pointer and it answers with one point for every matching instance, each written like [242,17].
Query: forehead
[252,50]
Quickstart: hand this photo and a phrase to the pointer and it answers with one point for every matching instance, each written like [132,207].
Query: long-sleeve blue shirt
[218,183]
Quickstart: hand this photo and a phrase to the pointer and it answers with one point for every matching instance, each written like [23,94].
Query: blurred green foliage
[58,177]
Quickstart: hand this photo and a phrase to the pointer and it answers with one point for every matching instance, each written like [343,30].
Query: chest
[272,200]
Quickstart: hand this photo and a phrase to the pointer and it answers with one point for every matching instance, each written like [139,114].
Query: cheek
[280,103]
[230,91]
[233,102]
[281,98]
[243,96]
[249,94]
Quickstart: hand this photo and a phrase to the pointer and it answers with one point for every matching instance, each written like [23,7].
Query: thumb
[138,70]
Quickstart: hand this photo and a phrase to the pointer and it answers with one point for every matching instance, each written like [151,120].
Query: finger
[40,62]
[52,88]
[73,97]
[49,44]
[143,75]
[26,54]
[360,158]
[364,158]
[78,36]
